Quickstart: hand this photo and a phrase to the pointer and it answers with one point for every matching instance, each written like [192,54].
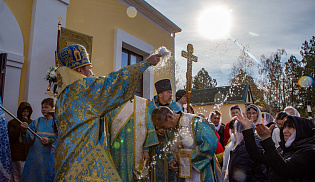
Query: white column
[42,46]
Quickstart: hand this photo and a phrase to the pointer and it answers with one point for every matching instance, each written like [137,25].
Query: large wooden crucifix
[190,58]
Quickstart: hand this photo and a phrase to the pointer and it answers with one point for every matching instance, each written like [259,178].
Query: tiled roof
[225,94]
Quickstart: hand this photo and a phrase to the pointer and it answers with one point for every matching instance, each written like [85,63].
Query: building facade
[30,41]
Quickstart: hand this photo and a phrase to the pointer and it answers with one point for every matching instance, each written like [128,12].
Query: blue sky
[276,24]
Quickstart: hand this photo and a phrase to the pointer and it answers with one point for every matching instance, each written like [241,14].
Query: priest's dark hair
[160,114]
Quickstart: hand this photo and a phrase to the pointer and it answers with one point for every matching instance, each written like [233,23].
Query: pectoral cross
[190,58]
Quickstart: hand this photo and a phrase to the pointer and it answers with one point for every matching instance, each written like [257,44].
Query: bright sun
[215,23]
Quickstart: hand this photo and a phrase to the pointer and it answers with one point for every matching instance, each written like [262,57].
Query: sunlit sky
[262,26]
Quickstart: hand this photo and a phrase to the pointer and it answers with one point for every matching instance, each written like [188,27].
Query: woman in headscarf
[253,113]
[267,118]
[297,162]
[292,111]
[241,167]
[275,134]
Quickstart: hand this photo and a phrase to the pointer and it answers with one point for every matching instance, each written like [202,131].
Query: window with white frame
[129,50]
[129,58]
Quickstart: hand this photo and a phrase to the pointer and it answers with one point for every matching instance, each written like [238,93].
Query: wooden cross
[190,58]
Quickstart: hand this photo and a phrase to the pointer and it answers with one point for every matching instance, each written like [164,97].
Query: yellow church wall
[22,10]
[100,18]
[224,109]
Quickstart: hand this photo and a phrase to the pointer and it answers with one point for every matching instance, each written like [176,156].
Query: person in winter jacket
[19,150]
[241,167]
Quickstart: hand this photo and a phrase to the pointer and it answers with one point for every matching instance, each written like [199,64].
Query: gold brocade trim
[117,113]
[193,130]
[186,153]
[120,120]
[87,168]
[140,105]
[46,133]
[201,176]
[151,131]
[83,65]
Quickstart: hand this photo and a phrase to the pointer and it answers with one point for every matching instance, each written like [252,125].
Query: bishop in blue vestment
[81,154]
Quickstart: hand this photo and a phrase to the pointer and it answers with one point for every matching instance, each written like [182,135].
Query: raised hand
[263,131]
[154,59]
[247,124]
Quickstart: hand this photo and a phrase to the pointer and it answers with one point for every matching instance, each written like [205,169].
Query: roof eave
[154,15]
[213,103]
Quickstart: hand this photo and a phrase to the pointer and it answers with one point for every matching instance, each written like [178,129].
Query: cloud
[279,24]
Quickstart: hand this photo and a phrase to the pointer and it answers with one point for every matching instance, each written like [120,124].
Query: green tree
[271,69]
[308,59]
[293,71]
[257,93]
[203,80]
[241,73]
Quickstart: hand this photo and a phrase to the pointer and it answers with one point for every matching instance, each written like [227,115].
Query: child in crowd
[37,162]
[19,149]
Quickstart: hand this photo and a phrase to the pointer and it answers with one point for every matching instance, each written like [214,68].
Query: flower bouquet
[51,76]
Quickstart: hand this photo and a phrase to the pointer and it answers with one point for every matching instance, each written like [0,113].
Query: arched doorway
[11,44]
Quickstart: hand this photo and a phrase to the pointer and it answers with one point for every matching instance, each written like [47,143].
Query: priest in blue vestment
[80,153]
[161,153]
[193,142]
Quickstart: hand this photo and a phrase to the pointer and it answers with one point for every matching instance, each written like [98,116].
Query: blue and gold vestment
[37,161]
[161,153]
[126,130]
[5,153]
[201,155]
[80,154]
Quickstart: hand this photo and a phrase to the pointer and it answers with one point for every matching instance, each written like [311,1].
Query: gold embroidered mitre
[74,56]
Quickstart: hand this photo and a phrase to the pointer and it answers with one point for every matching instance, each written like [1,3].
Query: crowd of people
[100,131]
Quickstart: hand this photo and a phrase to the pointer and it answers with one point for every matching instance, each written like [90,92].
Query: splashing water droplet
[219,97]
